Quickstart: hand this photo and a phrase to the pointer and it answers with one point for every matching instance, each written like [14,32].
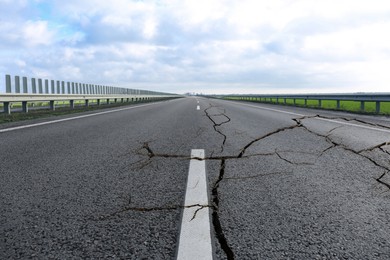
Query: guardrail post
[319,103]
[7,108]
[25,89]
[305,102]
[108,101]
[86,103]
[338,104]
[40,86]
[115,100]
[17,84]
[361,105]
[33,86]
[8,84]
[284,100]
[377,107]
[98,102]
[122,100]
[71,104]
[295,101]
[25,107]
[52,105]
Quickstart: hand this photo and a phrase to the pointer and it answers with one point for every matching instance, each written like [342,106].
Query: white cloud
[254,45]
[365,43]
[37,33]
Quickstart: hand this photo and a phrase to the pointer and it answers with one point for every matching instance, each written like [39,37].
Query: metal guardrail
[51,91]
[362,98]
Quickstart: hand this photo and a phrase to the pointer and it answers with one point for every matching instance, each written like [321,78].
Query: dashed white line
[197,107]
[195,233]
[71,118]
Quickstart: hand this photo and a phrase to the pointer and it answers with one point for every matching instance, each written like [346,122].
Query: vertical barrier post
[52,105]
[7,85]
[319,103]
[73,88]
[25,89]
[40,89]
[377,107]
[71,104]
[86,103]
[52,87]
[362,106]
[305,102]
[58,87]
[33,86]
[17,84]
[68,85]
[25,107]
[46,86]
[7,108]
[338,104]
[63,87]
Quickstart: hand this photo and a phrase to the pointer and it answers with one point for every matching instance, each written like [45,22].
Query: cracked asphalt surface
[284,183]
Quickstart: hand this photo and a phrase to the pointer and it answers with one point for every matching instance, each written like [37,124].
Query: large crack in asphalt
[215,215]
[359,153]
[147,151]
[216,125]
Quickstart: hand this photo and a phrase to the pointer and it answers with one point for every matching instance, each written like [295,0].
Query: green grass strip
[351,106]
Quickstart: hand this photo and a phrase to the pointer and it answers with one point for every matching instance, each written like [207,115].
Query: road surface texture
[283,182]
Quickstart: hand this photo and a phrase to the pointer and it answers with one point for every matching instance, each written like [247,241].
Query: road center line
[70,118]
[319,118]
[195,233]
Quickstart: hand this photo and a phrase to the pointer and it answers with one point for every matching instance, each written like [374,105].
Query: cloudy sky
[209,46]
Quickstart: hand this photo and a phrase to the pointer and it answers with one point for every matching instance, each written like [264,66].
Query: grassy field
[351,106]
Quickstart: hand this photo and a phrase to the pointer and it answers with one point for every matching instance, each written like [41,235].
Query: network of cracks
[148,153]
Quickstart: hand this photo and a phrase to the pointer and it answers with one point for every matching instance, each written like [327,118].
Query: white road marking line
[318,118]
[198,101]
[350,124]
[71,118]
[275,110]
[198,108]
[195,233]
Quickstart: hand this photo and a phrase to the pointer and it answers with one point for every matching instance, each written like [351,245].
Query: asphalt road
[283,182]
